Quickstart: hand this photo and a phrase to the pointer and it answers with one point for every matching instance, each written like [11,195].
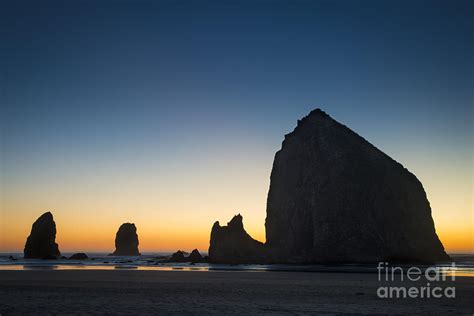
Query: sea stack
[178,256]
[232,244]
[41,243]
[195,256]
[126,241]
[334,197]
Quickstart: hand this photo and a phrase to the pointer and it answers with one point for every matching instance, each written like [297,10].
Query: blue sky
[138,87]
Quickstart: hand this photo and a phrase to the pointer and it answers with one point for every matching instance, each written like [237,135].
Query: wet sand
[221,292]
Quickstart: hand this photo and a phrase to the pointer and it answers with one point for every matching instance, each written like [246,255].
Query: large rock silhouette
[334,197]
[41,243]
[232,244]
[126,241]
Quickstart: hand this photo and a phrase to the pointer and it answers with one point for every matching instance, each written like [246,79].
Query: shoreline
[146,292]
[460,270]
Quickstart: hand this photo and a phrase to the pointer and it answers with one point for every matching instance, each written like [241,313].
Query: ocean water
[463,264]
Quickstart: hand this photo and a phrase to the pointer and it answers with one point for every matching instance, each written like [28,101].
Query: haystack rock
[126,241]
[42,240]
[334,197]
[232,244]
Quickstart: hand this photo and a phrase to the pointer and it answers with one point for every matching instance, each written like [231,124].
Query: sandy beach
[188,292]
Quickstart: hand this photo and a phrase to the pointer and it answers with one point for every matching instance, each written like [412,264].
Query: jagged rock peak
[126,241]
[232,244]
[41,243]
[236,223]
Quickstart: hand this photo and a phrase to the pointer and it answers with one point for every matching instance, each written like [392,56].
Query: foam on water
[101,261]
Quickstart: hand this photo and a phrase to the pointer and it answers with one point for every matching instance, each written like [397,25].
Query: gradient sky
[168,113]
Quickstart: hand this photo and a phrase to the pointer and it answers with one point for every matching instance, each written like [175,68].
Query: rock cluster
[41,243]
[180,256]
[126,241]
[334,197]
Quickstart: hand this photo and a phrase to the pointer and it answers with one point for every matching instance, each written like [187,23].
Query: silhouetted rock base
[79,256]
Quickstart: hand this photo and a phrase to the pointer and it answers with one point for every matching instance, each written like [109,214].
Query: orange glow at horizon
[172,214]
[458,242]
[73,238]
[163,238]
[149,241]
[169,214]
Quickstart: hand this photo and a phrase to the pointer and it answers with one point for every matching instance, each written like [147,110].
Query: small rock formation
[79,256]
[334,197]
[41,241]
[195,256]
[126,241]
[232,244]
[178,256]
